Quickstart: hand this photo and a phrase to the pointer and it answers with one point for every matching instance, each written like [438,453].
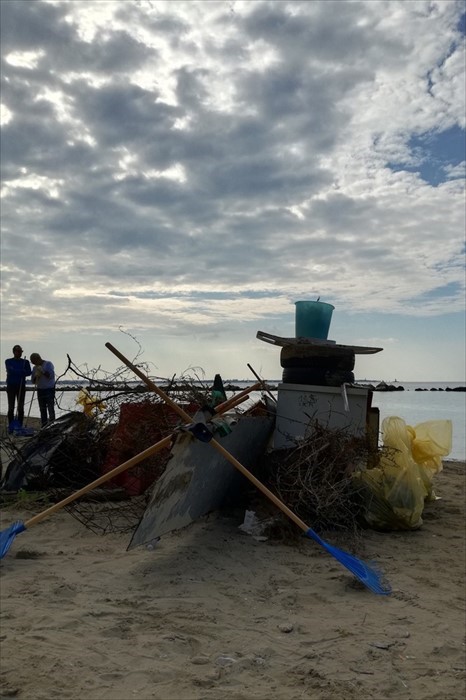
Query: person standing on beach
[17,369]
[43,376]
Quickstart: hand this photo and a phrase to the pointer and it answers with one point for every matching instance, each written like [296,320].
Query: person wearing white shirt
[43,376]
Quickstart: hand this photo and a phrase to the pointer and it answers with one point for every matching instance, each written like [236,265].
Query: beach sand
[213,614]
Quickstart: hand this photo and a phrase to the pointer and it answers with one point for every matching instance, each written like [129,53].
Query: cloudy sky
[183,172]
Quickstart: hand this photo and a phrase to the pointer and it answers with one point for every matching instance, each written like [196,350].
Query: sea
[417,403]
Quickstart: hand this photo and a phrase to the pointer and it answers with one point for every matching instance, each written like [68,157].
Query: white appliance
[334,407]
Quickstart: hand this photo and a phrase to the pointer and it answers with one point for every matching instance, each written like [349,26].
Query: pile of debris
[315,480]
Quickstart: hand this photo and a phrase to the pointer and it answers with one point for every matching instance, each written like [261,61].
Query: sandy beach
[213,613]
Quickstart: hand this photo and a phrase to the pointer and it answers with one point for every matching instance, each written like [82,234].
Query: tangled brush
[314,479]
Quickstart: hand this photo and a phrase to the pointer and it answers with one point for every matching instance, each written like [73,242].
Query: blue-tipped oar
[8,535]
[369,576]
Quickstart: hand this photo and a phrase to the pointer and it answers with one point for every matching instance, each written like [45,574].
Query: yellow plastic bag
[431,442]
[397,489]
[91,405]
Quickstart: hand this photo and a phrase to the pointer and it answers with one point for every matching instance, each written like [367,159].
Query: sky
[176,175]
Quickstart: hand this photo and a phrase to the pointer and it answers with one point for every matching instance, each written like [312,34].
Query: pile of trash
[64,453]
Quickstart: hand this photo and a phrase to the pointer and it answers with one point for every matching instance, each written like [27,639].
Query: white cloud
[183,151]
[24,59]
[6,115]
[454,172]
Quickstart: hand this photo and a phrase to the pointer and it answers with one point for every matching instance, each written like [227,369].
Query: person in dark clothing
[17,369]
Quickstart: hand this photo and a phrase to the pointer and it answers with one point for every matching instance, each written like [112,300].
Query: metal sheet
[197,477]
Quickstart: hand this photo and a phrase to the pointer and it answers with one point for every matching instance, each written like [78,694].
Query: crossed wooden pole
[215,444]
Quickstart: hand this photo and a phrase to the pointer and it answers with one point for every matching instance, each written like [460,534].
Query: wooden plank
[281,342]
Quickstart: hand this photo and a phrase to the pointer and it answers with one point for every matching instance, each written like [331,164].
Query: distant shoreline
[231,386]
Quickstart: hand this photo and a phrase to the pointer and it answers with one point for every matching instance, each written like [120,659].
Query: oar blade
[370,576]
[7,536]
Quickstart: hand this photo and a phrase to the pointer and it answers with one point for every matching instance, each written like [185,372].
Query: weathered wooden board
[281,342]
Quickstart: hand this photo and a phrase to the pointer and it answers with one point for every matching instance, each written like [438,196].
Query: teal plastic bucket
[313,319]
